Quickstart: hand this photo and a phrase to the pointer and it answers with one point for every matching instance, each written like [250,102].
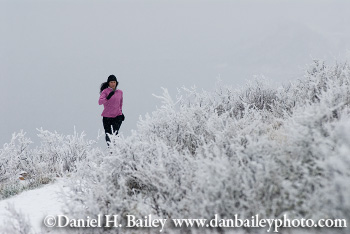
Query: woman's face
[112,84]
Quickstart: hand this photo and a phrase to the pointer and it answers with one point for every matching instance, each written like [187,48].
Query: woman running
[112,100]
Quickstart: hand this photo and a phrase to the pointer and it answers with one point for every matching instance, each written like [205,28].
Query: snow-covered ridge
[256,150]
[24,213]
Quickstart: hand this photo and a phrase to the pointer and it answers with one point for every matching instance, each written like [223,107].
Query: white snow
[35,205]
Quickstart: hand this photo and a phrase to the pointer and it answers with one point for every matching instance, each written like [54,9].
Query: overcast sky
[54,54]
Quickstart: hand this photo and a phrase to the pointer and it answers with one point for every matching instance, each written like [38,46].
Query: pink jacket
[113,106]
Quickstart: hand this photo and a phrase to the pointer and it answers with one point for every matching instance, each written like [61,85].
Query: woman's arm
[121,103]
[103,98]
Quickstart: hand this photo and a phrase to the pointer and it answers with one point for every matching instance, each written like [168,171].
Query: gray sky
[54,54]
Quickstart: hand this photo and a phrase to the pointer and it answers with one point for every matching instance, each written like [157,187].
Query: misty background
[54,54]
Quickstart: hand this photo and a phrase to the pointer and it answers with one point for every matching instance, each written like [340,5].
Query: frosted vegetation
[255,150]
[57,156]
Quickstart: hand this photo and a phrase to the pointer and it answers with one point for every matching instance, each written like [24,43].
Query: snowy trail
[35,205]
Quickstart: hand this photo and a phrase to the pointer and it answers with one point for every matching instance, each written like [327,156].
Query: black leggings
[110,124]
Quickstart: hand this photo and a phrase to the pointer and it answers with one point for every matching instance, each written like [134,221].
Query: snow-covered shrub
[56,156]
[251,151]
[59,152]
[14,155]
[16,222]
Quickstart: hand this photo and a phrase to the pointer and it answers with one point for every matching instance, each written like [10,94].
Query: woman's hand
[110,95]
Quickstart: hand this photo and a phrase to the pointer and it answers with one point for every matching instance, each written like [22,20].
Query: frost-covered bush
[255,150]
[16,222]
[14,155]
[57,155]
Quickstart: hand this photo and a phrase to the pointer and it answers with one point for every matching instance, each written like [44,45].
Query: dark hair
[105,85]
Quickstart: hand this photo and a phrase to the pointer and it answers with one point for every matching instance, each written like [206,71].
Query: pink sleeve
[121,103]
[103,98]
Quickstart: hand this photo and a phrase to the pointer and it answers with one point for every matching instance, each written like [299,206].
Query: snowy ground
[35,205]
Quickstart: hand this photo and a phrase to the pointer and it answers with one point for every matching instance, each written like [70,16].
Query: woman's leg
[107,126]
[116,125]
[111,125]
